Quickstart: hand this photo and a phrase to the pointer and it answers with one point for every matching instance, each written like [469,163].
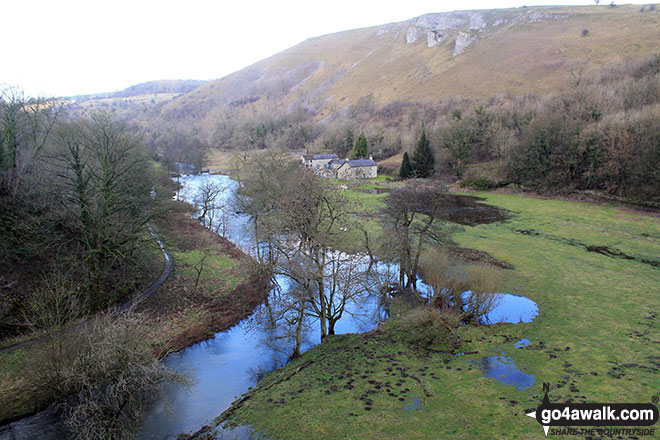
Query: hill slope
[463,54]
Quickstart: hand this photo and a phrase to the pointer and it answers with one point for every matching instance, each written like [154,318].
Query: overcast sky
[69,47]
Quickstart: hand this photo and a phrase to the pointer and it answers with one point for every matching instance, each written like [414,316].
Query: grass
[213,265]
[595,339]
[181,312]
[217,160]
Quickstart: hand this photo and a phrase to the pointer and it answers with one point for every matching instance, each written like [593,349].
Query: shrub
[429,327]
[480,183]
[104,374]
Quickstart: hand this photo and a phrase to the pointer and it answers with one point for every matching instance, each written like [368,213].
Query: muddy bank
[222,311]
[467,255]
[469,211]
[225,312]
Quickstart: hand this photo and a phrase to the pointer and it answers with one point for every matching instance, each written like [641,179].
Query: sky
[71,47]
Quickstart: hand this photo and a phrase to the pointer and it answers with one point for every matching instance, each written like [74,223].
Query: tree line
[75,198]
[76,194]
[598,133]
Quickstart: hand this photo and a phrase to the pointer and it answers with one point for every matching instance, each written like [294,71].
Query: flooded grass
[503,369]
[594,339]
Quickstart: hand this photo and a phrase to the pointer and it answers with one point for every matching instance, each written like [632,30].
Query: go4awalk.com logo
[592,418]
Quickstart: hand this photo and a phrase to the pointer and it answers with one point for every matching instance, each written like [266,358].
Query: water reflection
[512,309]
[524,342]
[414,404]
[504,370]
[225,366]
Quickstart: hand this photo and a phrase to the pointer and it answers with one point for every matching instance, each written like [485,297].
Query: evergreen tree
[349,143]
[423,160]
[405,172]
[361,148]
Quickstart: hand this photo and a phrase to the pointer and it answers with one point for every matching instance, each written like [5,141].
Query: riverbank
[227,291]
[594,340]
[179,314]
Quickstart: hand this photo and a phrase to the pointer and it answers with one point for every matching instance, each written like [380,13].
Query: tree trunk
[299,324]
[331,327]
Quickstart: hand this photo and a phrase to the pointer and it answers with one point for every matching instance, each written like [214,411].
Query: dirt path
[164,275]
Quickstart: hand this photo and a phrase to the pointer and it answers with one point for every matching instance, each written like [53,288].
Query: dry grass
[392,164]
[522,56]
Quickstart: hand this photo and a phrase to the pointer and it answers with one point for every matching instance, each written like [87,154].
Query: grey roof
[325,156]
[362,163]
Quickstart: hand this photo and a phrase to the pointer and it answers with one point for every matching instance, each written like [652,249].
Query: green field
[595,339]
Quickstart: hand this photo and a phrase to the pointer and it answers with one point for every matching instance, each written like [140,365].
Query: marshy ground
[594,340]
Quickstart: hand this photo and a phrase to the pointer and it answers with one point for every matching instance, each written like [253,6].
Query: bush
[104,373]
[429,327]
[480,183]
[466,291]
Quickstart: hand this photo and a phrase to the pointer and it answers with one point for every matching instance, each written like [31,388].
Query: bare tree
[113,373]
[467,291]
[105,188]
[410,220]
[211,206]
[299,224]
[25,127]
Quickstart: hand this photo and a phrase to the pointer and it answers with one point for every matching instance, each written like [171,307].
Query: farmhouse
[357,169]
[329,165]
[318,161]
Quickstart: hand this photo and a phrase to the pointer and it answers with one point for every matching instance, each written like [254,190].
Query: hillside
[135,100]
[176,86]
[434,57]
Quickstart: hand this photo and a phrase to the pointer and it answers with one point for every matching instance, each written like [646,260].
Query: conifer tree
[405,172]
[361,148]
[423,161]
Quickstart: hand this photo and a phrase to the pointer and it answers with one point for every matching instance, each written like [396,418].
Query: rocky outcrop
[463,41]
[466,26]
[435,38]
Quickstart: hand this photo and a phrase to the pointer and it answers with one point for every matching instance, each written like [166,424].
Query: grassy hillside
[135,100]
[512,51]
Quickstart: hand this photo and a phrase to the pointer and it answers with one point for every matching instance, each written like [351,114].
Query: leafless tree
[112,375]
[410,220]
[468,291]
[211,206]
[105,186]
[300,223]
[25,127]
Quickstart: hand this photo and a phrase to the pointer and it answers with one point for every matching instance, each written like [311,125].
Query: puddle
[524,342]
[509,308]
[414,405]
[512,308]
[469,211]
[504,370]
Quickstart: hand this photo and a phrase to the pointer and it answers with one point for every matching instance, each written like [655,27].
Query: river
[227,365]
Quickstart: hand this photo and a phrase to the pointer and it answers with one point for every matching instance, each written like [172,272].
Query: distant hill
[434,57]
[177,86]
[132,103]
